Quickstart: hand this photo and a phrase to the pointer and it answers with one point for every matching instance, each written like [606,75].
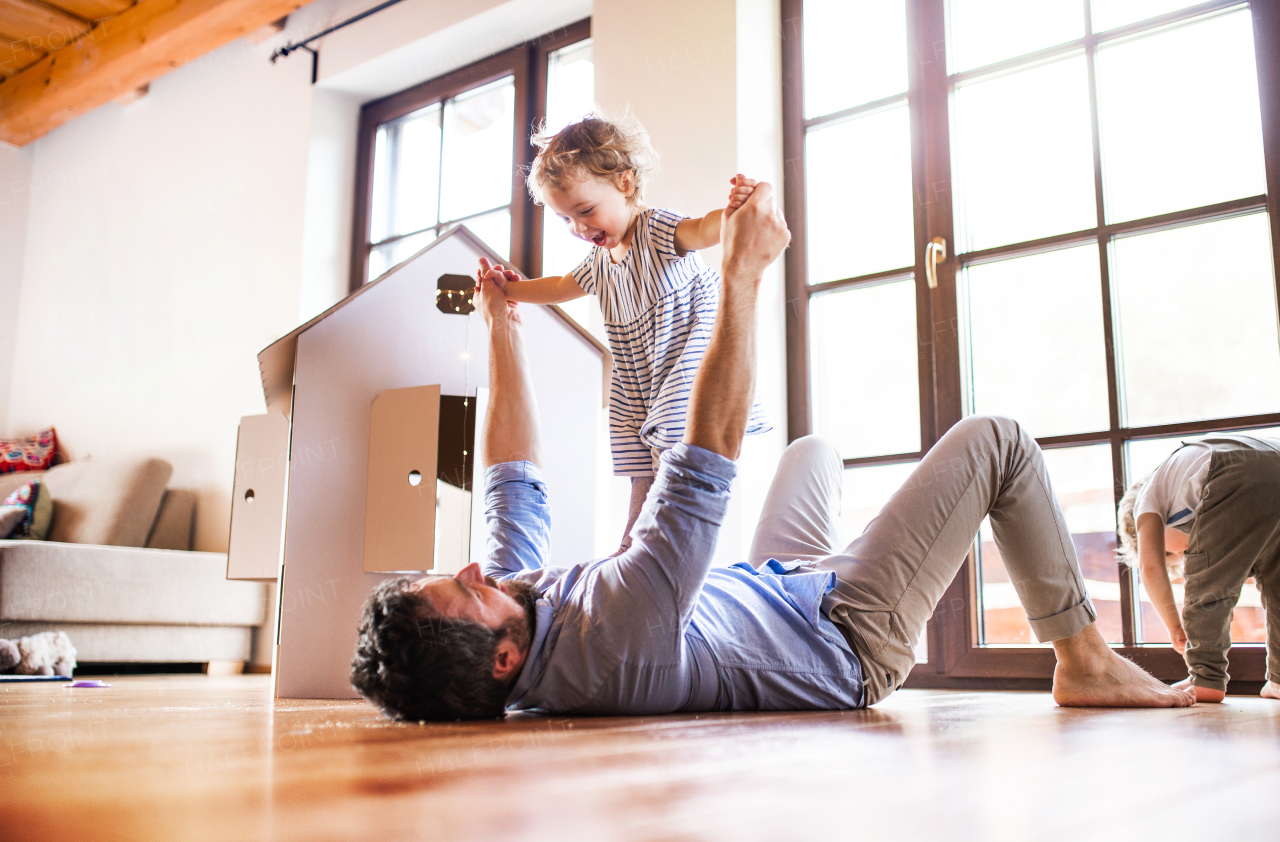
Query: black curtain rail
[283,52]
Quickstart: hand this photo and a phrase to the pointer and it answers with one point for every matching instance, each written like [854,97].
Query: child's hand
[1179,638]
[742,187]
[500,275]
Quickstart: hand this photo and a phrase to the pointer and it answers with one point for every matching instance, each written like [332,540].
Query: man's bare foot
[1089,674]
[1270,690]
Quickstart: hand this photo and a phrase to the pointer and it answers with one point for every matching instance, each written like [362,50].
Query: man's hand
[504,277]
[755,233]
[490,299]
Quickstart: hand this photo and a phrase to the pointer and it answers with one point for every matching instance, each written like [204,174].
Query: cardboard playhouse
[364,466]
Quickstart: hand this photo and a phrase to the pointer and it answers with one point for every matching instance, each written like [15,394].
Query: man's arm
[511,430]
[754,235]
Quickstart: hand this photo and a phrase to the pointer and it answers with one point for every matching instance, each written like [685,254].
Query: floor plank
[196,757]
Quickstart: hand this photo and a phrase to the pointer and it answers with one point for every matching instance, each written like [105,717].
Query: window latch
[935,251]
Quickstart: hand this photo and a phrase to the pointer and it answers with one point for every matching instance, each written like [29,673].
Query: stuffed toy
[47,653]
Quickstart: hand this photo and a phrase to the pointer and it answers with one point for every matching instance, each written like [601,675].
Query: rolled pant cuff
[1209,683]
[1065,623]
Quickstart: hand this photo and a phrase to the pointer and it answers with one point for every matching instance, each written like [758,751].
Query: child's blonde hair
[1127,546]
[597,145]
[1127,533]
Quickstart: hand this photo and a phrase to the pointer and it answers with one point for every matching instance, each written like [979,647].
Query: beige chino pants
[892,576]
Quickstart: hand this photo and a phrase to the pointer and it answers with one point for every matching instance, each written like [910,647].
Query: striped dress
[658,311]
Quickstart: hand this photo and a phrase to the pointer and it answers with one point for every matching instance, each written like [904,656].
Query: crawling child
[1210,512]
[657,297]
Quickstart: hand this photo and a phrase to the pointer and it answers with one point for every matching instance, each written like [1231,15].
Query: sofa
[117,574]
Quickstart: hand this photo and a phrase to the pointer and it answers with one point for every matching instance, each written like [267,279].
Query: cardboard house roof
[276,362]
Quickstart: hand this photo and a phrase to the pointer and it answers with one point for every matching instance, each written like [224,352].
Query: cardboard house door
[400,499]
[257,497]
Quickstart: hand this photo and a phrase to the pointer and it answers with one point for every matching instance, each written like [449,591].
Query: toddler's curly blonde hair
[596,146]
[1127,533]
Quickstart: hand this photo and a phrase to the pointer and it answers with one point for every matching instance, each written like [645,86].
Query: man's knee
[815,447]
[992,427]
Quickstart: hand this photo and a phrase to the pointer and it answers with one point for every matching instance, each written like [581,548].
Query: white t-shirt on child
[1173,490]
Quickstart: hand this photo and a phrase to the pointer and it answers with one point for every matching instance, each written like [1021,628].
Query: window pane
[1024,155]
[383,258]
[495,230]
[1035,341]
[1248,621]
[987,31]
[1082,482]
[479,127]
[570,85]
[1197,322]
[858,190]
[417,174]
[1179,118]
[866,376]
[855,51]
[380,205]
[866,490]
[1108,14]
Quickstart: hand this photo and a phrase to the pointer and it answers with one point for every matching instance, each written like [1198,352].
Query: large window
[1096,174]
[453,150]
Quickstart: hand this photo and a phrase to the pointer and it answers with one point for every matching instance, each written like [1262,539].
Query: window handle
[935,251]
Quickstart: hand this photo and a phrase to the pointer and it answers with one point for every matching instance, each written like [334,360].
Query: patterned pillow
[34,453]
[34,499]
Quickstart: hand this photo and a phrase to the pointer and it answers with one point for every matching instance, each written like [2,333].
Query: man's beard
[527,595]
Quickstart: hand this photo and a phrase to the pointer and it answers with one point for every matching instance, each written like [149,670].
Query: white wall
[162,253]
[15,194]
[708,92]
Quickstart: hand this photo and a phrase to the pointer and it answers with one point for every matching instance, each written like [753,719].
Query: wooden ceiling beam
[92,9]
[42,25]
[123,53]
[16,54]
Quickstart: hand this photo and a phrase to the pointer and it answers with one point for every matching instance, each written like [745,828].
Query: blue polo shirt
[657,629]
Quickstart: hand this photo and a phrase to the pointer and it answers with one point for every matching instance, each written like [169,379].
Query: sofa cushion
[146,644]
[12,482]
[11,518]
[33,453]
[106,501]
[172,529]
[33,501]
[45,582]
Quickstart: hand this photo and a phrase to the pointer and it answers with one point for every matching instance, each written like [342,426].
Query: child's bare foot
[1089,674]
[1203,694]
[1270,690]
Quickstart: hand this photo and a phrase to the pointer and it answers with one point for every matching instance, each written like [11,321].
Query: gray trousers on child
[1235,535]
[892,576]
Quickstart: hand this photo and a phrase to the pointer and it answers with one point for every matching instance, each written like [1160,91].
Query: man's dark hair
[416,665]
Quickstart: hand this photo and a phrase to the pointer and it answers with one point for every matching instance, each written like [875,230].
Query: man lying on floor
[802,625]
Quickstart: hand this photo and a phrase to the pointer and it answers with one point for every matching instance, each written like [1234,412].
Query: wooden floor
[189,757]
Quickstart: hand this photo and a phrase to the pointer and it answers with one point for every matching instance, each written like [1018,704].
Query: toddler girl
[1208,513]
[657,297]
